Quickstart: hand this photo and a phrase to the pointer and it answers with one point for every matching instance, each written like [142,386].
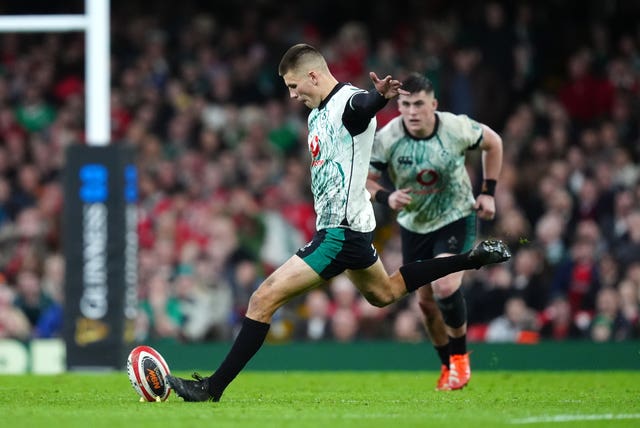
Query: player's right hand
[388,87]
[398,199]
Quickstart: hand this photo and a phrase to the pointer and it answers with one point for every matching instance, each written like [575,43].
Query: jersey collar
[332,93]
[428,137]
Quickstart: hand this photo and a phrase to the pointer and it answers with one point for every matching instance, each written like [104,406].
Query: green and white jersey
[340,166]
[433,168]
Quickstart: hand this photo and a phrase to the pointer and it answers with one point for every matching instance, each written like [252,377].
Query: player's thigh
[292,279]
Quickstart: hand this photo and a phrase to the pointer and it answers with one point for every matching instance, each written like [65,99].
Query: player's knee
[445,287]
[262,305]
[379,302]
[379,299]
[454,309]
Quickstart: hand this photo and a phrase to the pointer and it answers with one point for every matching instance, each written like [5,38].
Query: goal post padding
[100,245]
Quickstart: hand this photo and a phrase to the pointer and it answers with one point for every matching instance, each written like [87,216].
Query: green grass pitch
[331,400]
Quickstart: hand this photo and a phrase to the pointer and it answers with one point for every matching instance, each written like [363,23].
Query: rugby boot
[489,252]
[443,380]
[191,390]
[459,371]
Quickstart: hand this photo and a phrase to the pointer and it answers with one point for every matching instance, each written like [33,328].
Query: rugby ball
[147,372]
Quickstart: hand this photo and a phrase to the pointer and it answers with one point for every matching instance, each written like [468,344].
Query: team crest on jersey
[314,146]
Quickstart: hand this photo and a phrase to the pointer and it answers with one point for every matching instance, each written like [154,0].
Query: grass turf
[332,399]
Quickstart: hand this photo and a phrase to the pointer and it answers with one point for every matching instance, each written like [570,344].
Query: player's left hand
[398,199]
[387,87]
[485,206]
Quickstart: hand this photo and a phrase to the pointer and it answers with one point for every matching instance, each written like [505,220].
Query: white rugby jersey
[339,166]
[433,168]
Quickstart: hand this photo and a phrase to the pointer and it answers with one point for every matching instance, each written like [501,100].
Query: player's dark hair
[416,82]
[292,57]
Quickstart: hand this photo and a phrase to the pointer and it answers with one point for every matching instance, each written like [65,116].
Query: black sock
[443,353]
[458,345]
[249,340]
[417,274]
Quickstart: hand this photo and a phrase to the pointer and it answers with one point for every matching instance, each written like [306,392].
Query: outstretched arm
[364,105]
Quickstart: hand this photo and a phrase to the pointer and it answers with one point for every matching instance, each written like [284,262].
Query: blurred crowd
[223,163]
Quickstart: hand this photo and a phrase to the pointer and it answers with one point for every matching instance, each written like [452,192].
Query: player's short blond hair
[302,57]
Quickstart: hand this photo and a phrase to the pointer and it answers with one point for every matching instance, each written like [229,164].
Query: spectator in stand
[530,278]
[495,35]
[283,130]
[34,113]
[30,298]
[28,243]
[244,276]
[514,325]
[617,170]
[210,278]
[585,96]
[577,277]
[549,234]
[5,195]
[558,323]
[373,322]
[281,237]
[315,324]
[50,321]
[26,190]
[609,270]
[344,325]
[161,308]
[344,295]
[14,324]
[513,226]
[197,305]
[589,230]
[407,326]
[615,226]
[628,249]
[608,324]
[630,306]
[588,201]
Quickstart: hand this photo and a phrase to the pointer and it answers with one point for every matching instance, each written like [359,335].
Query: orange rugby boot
[459,371]
[443,380]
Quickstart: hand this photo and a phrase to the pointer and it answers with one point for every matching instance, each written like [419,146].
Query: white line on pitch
[571,418]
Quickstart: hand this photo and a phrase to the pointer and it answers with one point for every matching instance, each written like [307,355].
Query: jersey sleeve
[469,132]
[360,109]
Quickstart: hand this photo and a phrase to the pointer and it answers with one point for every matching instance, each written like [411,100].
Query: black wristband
[382,196]
[489,187]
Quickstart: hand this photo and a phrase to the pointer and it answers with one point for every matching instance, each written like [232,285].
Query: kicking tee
[433,168]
